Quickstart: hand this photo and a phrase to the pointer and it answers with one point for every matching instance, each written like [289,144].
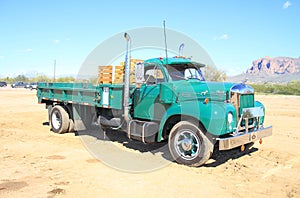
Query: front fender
[171,111]
[213,115]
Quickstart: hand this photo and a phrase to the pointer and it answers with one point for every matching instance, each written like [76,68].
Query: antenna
[166,47]
[54,70]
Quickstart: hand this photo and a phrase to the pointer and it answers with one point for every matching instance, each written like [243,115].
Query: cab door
[146,100]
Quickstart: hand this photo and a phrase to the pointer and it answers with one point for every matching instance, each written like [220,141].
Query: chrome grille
[246,101]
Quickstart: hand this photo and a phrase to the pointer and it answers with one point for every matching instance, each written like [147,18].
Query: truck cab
[192,113]
[158,92]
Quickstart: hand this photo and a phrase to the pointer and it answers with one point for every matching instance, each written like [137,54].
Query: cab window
[154,75]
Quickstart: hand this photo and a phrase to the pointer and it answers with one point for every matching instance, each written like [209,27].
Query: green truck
[169,101]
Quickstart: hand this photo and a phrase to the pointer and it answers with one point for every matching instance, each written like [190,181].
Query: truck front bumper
[244,138]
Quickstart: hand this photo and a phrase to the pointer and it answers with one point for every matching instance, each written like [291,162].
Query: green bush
[65,79]
[214,74]
[37,78]
[291,88]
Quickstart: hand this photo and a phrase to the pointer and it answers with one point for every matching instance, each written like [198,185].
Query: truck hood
[195,89]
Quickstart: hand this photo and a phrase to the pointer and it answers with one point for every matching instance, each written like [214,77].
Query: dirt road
[35,162]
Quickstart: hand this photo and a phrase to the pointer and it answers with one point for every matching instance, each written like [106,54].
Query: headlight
[229,118]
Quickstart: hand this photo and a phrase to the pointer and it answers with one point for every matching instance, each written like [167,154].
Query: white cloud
[222,37]
[286,5]
[28,50]
[56,41]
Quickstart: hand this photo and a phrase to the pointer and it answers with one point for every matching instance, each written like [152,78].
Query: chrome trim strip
[143,133]
[128,129]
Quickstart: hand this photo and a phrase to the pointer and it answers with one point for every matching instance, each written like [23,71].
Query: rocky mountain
[278,65]
[274,70]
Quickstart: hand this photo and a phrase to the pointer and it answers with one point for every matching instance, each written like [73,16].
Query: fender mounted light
[206,100]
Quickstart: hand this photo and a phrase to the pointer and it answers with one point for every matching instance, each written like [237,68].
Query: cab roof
[173,61]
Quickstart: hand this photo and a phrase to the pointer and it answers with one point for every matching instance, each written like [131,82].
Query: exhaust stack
[126,94]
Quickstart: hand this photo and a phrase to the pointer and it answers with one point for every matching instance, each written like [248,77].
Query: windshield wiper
[184,78]
[193,77]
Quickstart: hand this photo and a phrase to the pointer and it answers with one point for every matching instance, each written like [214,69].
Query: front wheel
[59,119]
[188,145]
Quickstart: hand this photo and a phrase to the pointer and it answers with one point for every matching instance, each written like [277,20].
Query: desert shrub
[291,88]
[8,80]
[212,73]
[37,78]
[22,78]
[40,78]
[65,79]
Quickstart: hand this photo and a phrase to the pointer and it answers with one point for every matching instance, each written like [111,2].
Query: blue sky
[234,32]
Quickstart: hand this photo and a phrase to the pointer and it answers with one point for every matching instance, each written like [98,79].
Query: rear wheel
[71,126]
[188,145]
[59,119]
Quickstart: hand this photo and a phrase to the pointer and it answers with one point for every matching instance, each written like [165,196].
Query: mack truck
[169,101]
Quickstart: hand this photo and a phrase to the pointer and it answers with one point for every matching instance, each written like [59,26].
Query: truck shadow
[218,157]
[221,157]
[121,138]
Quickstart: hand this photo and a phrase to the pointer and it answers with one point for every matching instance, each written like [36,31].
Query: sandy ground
[35,162]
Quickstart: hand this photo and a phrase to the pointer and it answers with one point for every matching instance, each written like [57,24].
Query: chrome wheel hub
[56,120]
[187,144]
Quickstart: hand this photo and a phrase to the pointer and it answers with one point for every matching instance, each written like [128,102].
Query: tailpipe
[126,93]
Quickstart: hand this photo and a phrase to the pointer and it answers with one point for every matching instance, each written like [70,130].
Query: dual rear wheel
[60,120]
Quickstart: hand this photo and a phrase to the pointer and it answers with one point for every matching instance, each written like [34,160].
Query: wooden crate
[105,74]
[132,69]
[119,77]
[109,74]
[119,74]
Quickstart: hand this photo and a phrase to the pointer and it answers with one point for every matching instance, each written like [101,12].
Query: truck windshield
[185,72]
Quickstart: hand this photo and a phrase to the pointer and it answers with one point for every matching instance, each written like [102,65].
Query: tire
[71,126]
[59,119]
[188,145]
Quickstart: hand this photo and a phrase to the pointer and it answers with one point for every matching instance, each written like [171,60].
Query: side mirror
[139,74]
